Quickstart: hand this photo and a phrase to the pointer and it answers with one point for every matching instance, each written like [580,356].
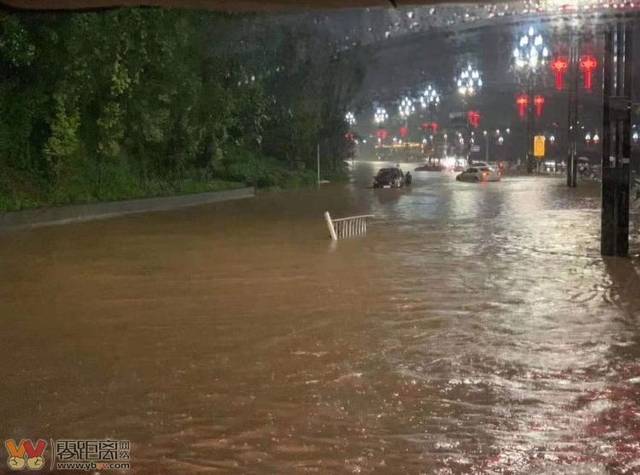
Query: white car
[479,173]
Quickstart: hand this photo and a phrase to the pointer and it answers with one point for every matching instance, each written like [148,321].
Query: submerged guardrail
[343,228]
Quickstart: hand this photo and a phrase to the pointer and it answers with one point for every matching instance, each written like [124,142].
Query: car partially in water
[475,174]
[389,178]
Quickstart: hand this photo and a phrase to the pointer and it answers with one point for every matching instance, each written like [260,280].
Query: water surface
[475,329]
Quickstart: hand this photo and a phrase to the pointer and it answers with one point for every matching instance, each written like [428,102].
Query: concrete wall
[76,213]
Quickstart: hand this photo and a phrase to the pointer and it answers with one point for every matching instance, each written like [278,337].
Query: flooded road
[474,330]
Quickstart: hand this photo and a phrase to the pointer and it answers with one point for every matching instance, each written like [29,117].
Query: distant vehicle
[389,178]
[429,167]
[478,174]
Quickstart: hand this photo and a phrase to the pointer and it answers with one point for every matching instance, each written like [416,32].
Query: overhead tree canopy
[136,102]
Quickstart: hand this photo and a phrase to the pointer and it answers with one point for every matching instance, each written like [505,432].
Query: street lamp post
[468,83]
[572,116]
[486,146]
[529,54]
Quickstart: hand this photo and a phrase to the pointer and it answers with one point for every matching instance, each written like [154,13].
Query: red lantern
[404,132]
[587,65]
[432,126]
[474,119]
[522,101]
[382,134]
[538,101]
[560,66]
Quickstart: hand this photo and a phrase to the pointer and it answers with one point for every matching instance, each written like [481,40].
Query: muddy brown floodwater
[475,329]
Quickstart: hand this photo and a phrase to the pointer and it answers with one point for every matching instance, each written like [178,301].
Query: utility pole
[616,139]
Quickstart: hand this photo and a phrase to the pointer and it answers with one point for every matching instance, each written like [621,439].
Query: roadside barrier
[344,228]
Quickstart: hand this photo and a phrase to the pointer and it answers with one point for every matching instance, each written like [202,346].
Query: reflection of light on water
[528,326]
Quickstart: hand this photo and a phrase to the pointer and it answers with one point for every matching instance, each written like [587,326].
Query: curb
[88,212]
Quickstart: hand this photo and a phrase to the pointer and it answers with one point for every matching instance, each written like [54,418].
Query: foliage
[138,102]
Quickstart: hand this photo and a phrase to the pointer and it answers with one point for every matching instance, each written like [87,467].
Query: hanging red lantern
[404,132]
[382,134]
[430,126]
[560,66]
[588,64]
[522,101]
[538,102]
[474,119]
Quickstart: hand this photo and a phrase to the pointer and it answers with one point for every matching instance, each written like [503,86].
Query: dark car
[389,178]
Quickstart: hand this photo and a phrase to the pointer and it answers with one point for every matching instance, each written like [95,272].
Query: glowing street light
[350,118]
[531,51]
[469,81]
[380,116]
[592,138]
[406,107]
[429,97]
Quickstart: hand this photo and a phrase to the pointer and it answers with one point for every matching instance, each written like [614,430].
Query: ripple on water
[474,330]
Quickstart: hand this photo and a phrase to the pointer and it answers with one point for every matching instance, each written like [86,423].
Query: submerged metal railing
[343,228]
